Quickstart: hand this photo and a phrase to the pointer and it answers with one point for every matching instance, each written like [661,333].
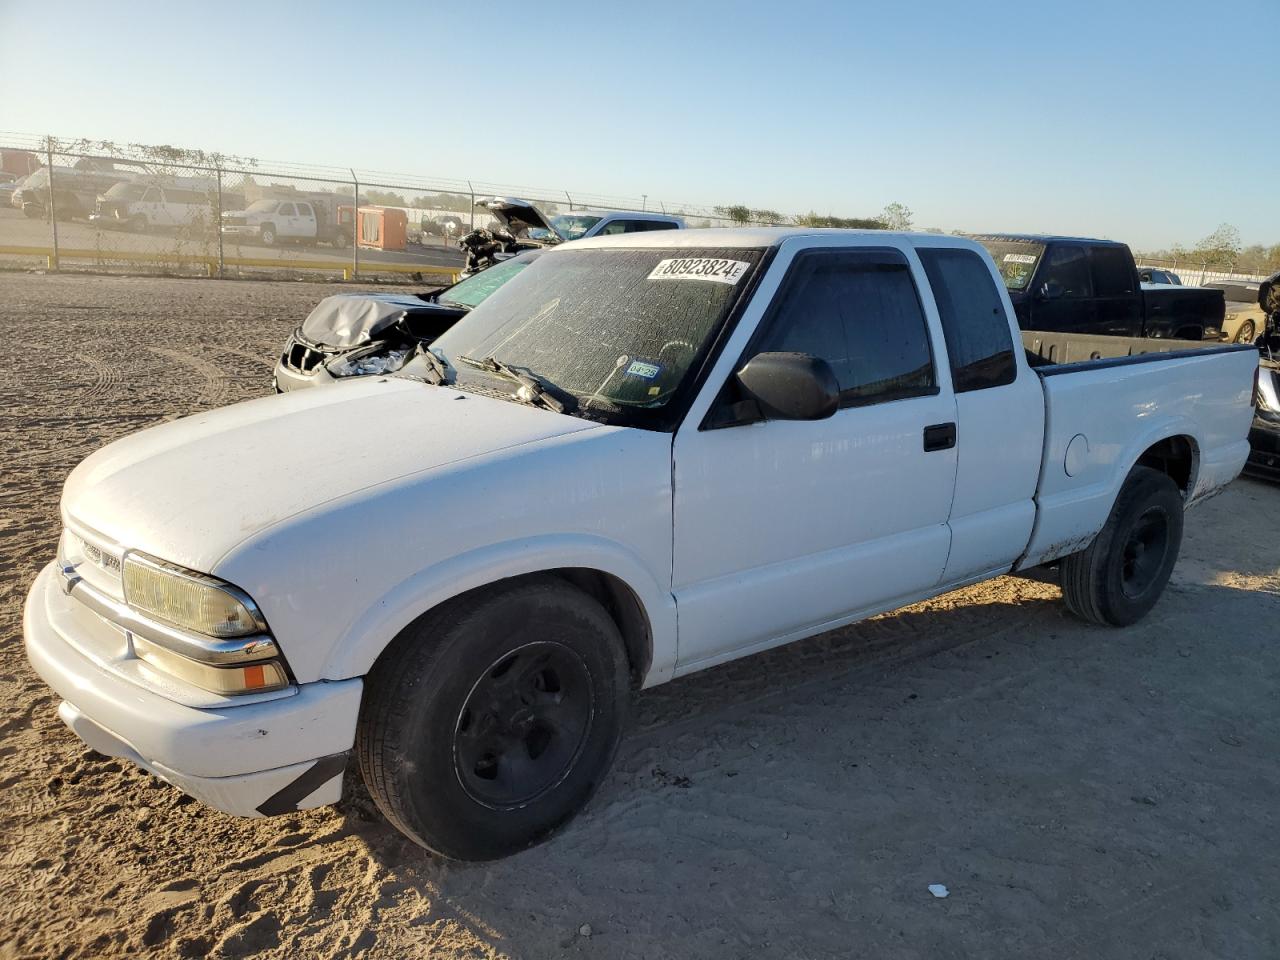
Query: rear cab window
[1113,275]
[974,322]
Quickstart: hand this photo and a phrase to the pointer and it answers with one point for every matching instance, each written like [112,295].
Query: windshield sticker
[643,370]
[1019,258]
[700,268]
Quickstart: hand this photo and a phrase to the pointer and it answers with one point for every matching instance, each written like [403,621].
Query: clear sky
[1148,123]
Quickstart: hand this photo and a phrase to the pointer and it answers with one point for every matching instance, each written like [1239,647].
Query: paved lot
[1081,792]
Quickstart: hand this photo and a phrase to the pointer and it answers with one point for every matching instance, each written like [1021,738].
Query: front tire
[1118,578]
[492,720]
[267,235]
[1246,333]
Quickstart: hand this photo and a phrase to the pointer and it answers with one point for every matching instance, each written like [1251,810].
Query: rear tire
[1118,578]
[1246,333]
[492,720]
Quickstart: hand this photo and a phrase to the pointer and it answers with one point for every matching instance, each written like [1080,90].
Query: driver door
[786,528]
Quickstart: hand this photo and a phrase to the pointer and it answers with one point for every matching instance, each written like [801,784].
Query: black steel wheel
[1118,578]
[523,725]
[491,720]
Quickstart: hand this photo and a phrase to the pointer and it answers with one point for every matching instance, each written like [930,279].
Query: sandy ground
[1081,792]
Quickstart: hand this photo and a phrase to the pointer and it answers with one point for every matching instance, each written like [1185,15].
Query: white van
[141,205]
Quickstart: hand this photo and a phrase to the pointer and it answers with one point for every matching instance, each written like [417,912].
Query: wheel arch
[1177,456]
[643,611]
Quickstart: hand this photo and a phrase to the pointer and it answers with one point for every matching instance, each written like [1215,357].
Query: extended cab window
[623,226]
[286,210]
[304,210]
[1112,273]
[859,311]
[974,321]
[1066,272]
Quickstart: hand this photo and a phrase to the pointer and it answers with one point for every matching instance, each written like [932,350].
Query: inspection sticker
[646,371]
[1019,258]
[700,268]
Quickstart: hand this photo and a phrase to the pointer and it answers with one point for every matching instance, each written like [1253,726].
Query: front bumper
[1264,449]
[252,759]
[287,379]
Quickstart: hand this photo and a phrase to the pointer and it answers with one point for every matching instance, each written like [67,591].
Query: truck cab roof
[746,237]
[1044,238]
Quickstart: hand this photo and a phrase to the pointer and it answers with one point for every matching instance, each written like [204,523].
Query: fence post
[570,199]
[53,207]
[355,225]
[217,224]
[473,205]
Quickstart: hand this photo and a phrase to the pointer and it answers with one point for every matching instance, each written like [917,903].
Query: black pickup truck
[1076,285]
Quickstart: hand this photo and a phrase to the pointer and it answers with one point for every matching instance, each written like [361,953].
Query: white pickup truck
[643,456]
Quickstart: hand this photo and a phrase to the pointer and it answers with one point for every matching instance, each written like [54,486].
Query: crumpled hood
[350,319]
[191,490]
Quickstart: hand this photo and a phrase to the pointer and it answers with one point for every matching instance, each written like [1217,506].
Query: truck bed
[1110,401]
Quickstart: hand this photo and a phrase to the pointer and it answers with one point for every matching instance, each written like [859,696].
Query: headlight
[363,364]
[189,599]
[240,655]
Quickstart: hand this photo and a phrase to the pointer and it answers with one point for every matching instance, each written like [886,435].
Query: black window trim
[711,420]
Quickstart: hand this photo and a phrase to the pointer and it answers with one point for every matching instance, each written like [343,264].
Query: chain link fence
[69,205]
[1196,273]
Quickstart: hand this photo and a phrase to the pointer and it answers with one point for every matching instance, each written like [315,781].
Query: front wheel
[1246,332]
[492,720]
[1118,578]
[267,235]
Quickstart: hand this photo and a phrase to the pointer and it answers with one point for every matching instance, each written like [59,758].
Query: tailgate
[1102,415]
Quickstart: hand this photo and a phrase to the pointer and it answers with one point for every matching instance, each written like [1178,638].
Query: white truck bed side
[1101,416]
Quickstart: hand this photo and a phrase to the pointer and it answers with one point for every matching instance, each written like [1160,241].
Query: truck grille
[97,561]
[303,359]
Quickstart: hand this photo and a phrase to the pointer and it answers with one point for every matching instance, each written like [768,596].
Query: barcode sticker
[700,268]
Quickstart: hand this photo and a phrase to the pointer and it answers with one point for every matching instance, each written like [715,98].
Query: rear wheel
[1246,332]
[492,720]
[1118,578]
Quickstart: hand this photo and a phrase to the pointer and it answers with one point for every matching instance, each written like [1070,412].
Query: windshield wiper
[532,389]
[434,363]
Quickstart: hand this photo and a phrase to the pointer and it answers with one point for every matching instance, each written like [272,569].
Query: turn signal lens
[253,678]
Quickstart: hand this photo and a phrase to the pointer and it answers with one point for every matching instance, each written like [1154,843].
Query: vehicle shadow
[985,738]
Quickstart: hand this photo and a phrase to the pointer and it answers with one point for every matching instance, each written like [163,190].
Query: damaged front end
[521,227]
[367,334]
[356,335]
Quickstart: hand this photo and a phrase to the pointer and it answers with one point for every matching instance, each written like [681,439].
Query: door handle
[939,436]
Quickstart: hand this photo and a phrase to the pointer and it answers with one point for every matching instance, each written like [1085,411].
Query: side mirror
[791,386]
[1050,290]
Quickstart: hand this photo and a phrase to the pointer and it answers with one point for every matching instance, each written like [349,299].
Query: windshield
[262,206]
[619,330]
[1015,259]
[124,191]
[572,226]
[469,292]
